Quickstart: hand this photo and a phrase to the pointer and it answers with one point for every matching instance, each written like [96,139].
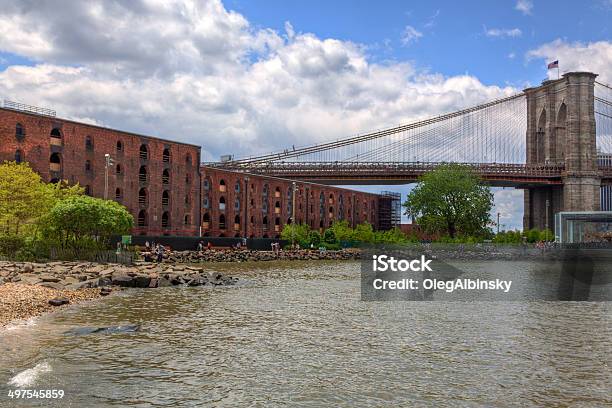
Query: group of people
[156,250]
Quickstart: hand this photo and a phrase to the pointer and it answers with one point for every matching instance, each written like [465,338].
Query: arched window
[144,152]
[277,207]
[118,194]
[142,197]
[187,199]
[56,133]
[165,219]
[87,166]
[188,159]
[88,143]
[237,219]
[206,219]
[237,187]
[222,203]
[165,198]
[118,169]
[277,221]
[265,189]
[206,184]
[237,204]
[142,174]
[19,156]
[88,190]
[252,219]
[119,146]
[205,202]
[142,218]
[166,176]
[166,155]
[19,132]
[264,221]
[187,179]
[277,192]
[186,220]
[222,186]
[222,222]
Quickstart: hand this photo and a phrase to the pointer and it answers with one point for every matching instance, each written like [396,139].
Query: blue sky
[246,77]
[453,37]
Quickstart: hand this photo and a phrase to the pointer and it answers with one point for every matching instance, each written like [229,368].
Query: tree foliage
[451,200]
[23,198]
[78,218]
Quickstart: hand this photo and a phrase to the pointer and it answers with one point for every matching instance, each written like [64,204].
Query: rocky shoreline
[31,289]
[246,255]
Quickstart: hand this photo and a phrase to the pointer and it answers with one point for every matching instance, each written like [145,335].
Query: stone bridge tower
[561,130]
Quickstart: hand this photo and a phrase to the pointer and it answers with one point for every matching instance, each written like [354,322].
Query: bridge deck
[347,173]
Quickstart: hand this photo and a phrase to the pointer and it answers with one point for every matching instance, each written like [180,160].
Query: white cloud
[199,73]
[410,35]
[509,205]
[524,6]
[512,55]
[503,32]
[595,57]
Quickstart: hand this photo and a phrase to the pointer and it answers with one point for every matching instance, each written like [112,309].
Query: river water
[297,334]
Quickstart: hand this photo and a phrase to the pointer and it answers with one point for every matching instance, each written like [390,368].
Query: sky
[243,77]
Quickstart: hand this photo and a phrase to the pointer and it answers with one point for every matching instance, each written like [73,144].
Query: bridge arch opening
[561,133]
[541,138]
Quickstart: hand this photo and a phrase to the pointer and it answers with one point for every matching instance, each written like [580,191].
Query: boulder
[122,280]
[49,278]
[59,301]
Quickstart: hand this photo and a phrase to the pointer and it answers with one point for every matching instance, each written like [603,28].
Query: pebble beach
[22,301]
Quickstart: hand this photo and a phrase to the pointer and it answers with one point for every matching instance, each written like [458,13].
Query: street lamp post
[108,161]
[497,223]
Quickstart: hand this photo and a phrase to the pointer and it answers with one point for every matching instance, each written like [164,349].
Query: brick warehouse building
[240,204]
[157,180]
[161,182]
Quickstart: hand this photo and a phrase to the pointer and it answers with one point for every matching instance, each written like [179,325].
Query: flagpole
[558,76]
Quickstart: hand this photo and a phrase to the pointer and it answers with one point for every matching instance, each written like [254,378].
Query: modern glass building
[573,227]
[606,191]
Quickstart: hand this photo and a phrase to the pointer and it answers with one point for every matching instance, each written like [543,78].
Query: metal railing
[28,108]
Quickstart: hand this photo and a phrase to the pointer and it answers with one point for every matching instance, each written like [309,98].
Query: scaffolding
[389,210]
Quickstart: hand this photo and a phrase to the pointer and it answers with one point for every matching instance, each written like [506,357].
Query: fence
[191,243]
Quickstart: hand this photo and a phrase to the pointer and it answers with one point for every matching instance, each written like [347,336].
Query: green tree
[314,238]
[23,198]
[364,233]
[342,231]
[451,199]
[329,237]
[297,232]
[76,220]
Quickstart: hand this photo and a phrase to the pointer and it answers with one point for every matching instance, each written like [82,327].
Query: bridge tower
[561,130]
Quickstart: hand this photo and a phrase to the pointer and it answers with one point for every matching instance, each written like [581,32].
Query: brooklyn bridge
[554,141]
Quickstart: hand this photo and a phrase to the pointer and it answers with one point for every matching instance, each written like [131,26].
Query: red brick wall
[36,148]
[251,217]
[74,153]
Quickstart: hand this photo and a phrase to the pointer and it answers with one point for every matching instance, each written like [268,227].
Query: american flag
[554,64]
